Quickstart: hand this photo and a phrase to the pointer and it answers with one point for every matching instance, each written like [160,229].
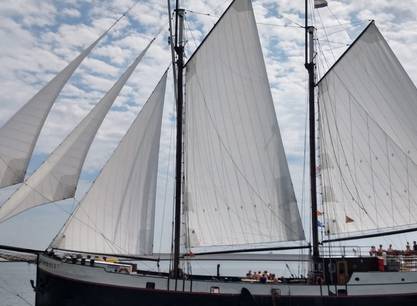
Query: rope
[338,21]
[122,16]
[239,171]
[296,24]
[16,294]
[166,183]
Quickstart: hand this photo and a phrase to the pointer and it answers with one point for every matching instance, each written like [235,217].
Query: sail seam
[234,163]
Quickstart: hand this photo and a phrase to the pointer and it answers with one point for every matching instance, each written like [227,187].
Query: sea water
[16,290]
[15,287]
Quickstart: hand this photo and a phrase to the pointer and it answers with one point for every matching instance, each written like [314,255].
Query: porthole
[357,279]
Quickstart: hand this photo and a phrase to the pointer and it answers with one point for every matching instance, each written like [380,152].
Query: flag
[349,220]
[320,3]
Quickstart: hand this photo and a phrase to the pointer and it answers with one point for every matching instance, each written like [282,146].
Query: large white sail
[368,110]
[19,134]
[238,185]
[117,214]
[57,178]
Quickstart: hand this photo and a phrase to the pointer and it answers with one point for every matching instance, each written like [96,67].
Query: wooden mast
[309,64]
[179,50]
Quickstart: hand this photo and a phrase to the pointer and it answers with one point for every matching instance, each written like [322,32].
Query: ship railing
[401,262]
[364,251]
[344,251]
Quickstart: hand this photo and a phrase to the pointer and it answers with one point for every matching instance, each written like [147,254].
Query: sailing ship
[233,186]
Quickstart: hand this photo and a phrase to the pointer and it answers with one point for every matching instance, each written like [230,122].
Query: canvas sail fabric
[19,134]
[238,186]
[117,214]
[56,179]
[368,106]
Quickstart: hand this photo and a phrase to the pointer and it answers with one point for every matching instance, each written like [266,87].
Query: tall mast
[179,49]
[309,64]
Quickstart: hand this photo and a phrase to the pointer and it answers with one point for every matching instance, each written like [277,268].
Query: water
[15,288]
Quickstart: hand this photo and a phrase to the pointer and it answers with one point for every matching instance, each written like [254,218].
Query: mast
[179,49]
[309,64]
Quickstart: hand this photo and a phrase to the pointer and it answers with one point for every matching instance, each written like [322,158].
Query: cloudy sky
[39,37]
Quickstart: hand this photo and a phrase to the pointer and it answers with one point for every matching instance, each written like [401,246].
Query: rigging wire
[220,7]
[331,49]
[338,21]
[110,242]
[188,28]
[352,25]
[235,164]
[117,20]
[123,15]
[295,24]
[280,25]
[171,40]
[344,25]
[16,294]
[200,13]
[327,37]
[338,43]
[385,135]
[374,153]
[303,184]
[167,180]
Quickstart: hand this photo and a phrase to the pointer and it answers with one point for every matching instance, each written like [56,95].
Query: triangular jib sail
[117,214]
[58,176]
[19,134]
[368,110]
[238,186]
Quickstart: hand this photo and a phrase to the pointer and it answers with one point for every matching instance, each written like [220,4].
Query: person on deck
[372,251]
[407,249]
[263,279]
[380,250]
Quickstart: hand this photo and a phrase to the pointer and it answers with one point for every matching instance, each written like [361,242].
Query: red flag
[349,220]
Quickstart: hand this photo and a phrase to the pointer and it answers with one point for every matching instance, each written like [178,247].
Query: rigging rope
[15,293]
[296,25]
[338,21]
[167,180]
[387,153]
[236,166]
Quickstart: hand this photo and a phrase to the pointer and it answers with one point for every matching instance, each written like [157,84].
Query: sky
[39,37]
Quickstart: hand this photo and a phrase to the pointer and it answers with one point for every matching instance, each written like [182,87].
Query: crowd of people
[391,251]
[262,277]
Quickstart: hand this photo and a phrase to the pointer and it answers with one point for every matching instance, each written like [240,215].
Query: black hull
[53,290]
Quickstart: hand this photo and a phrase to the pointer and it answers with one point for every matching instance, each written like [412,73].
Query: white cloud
[30,13]
[71,12]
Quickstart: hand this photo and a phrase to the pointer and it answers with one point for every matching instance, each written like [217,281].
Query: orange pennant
[349,220]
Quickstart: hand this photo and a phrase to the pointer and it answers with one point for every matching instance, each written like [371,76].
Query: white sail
[368,110]
[117,214]
[57,178]
[238,185]
[19,134]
